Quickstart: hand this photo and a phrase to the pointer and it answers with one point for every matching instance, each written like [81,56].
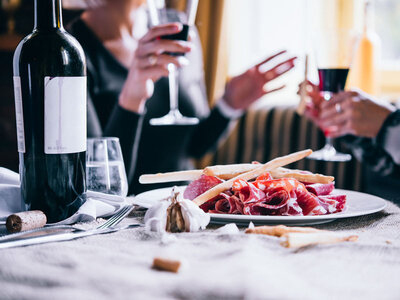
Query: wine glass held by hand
[334,54]
[159,14]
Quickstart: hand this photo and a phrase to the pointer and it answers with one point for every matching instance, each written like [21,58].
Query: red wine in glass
[332,80]
[174,117]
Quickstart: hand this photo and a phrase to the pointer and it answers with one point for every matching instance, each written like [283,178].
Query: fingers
[339,98]
[160,46]
[341,130]
[279,69]
[269,58]
[274,90]
[161,30]
[161,60]
[155,72]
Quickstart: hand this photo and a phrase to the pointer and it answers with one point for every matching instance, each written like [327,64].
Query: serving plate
[358,204]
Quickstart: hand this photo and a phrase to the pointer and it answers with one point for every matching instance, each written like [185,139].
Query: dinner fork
[113,221]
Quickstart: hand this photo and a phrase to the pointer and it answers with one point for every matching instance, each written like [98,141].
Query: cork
[26,220]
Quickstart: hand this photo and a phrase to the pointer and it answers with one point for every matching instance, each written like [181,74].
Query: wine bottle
[50,101]
[365,73]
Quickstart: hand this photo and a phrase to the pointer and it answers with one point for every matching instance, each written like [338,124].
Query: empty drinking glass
[105,170]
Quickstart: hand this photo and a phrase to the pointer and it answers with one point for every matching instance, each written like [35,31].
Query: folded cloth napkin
[96,205]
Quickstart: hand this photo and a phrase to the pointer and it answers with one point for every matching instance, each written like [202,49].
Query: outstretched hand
[242,90]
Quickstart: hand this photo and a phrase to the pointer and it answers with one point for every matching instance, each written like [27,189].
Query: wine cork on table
[26,220]
[164,264]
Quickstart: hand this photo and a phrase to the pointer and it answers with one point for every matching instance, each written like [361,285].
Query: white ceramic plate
[358,204]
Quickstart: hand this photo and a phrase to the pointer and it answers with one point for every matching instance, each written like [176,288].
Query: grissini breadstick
[301,176]
[273,164]
[298,239]
[280,230]
[171,176]
[227,172]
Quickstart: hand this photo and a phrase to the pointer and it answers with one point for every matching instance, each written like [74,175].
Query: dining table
[216,263]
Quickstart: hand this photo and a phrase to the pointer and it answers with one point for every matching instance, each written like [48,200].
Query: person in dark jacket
[128,86]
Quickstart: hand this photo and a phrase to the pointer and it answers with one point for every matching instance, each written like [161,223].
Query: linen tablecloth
[216,266]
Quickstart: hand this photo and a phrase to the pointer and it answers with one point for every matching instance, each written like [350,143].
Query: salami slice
[320,189]
[199,186]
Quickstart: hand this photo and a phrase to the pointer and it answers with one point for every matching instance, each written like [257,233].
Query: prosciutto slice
[320,189]
[333,203]
[267,196]
[199,186]
[247,191]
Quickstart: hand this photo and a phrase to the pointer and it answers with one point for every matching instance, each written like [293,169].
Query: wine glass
[105,169]
[334,52]
[160,14]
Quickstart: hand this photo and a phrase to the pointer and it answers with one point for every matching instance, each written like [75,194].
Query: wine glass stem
[329,142]
[173,87]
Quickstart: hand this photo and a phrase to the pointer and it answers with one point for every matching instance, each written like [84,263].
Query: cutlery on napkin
[96,205]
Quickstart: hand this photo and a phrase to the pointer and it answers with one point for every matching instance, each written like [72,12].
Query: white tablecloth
[216,266]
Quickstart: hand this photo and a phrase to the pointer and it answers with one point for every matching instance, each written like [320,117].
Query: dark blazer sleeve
[381,154]
[213,125]
[123,124]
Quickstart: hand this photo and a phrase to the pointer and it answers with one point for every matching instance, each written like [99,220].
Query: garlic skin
[157,216]
[195,218]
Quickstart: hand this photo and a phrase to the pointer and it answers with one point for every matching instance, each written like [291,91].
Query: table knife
[50,238]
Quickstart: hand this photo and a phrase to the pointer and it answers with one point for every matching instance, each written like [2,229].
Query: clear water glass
[105,169]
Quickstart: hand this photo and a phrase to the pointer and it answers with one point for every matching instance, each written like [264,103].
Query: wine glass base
[174,119]
[329,153]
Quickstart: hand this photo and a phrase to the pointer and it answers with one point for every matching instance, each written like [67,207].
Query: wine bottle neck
[48,14]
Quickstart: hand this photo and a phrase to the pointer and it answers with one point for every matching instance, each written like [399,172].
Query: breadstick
[227,172]
[299,239]
[280,230]
[25,221]
[300,176]
[303,90]
[166,264]
[275,163]
[171,176]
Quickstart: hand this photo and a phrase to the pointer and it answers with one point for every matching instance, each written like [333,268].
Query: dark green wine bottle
[50,103]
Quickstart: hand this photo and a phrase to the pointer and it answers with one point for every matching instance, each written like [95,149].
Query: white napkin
[96,205]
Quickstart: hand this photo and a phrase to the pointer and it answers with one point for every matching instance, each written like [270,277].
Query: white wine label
[19,115]
[64,114]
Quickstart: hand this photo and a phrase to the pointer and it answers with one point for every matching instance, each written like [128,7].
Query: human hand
[248,87]
[150,63]
[314,99]
[354,112]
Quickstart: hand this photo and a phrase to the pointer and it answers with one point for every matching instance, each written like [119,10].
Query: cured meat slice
[320,189]
[261,181]
[309,204]
[228,205]
[333,203]
[247,192]
[199,186]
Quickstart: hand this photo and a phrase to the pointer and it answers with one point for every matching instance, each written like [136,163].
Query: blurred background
[235,34]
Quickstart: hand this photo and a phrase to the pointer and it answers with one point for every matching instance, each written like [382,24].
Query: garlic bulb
[175,214]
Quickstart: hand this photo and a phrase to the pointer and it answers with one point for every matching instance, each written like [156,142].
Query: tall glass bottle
[50,102]
[365,71]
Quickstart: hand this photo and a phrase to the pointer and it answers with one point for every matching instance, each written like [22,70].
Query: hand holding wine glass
[361,115]
[334,54]
[159,14]
[150,63]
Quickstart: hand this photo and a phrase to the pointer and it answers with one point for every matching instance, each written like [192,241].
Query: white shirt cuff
[227,111]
